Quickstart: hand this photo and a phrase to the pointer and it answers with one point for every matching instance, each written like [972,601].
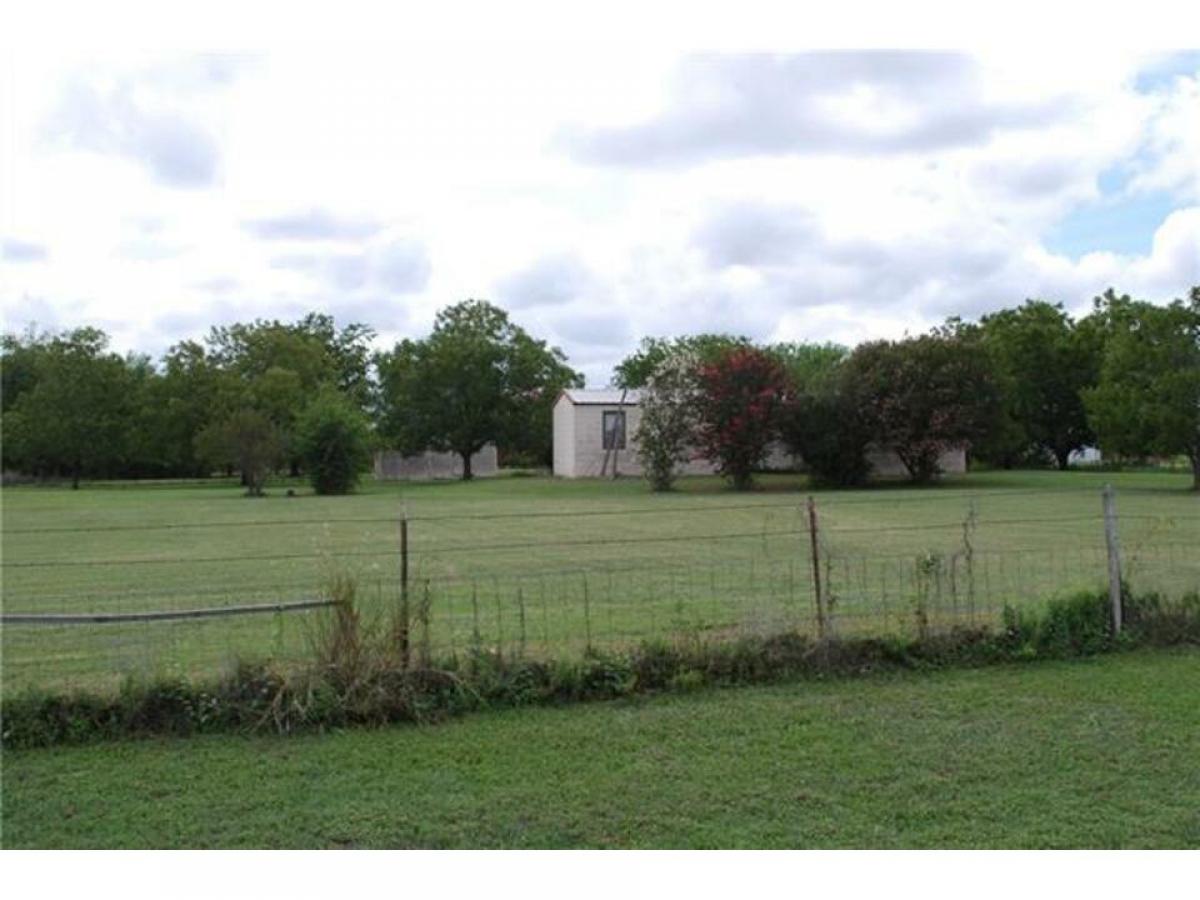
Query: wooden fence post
[816,567]
[1114,557]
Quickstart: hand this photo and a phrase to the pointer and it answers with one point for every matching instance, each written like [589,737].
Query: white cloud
[840,102]
[18,251]
[1173,142]
[838,197]
[143,117]
[312,224]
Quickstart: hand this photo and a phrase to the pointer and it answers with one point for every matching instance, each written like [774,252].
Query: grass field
[550,566]
[1088,753]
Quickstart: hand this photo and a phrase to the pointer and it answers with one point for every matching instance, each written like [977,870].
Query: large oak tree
[478,378]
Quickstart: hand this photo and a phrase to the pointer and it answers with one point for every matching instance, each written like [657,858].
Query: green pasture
[1097,753]
[538,565]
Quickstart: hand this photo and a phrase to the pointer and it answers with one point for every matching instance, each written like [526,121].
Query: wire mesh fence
[557,582]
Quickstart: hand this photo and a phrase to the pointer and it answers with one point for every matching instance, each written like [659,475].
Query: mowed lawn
[548,566]
[1089,753]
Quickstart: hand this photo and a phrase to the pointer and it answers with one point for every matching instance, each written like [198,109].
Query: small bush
[1078,625]
[1153,619]
[654,665]
[334,440]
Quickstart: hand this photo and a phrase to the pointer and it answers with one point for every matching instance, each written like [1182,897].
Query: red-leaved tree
[739,396]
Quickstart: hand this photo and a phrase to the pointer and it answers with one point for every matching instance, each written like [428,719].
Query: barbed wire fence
[595,580]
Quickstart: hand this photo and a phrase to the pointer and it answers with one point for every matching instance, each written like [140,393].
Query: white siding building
[594,437]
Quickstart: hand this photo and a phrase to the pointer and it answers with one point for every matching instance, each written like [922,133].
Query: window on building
[614,431]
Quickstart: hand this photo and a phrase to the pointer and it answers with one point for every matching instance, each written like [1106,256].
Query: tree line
[1026,386]
[304,397]
[1019,387]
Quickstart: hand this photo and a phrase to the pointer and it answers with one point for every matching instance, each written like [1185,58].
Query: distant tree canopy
[478,378]
[74,400]
[1147,399]
[809,366]
[636,369]
[73,408]
[1021,386]
[1045,363]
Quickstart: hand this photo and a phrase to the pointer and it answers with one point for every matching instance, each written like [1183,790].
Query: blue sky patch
[1164,72]
[1125,225]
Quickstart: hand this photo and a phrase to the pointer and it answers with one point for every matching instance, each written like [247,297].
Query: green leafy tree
[247,440]
[186,398]
[809,365]
[666,432]
[349,351]
[74,417]
[1147,400]
[1045,365]
[924,396]
[20,361]
[334,439]
[636,369]
[824,421]
[278,368]
[476,379]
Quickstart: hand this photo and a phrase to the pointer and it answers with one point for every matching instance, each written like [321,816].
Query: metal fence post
[403,629]
[1114,557]
[816,567]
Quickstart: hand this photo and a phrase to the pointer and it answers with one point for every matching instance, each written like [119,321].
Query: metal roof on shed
[607,397]
[601,397]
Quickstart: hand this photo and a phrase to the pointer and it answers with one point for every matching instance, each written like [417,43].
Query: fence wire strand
[529,597]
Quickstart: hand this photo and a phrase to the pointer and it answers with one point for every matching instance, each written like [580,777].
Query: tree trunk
[1063,458]
[1195,457]
[466,458]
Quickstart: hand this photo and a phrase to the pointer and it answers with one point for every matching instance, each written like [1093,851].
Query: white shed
[594,436]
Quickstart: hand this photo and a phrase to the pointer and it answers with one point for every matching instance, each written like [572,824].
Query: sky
[598,192]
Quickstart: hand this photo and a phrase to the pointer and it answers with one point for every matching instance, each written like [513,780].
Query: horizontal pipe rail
[108,618]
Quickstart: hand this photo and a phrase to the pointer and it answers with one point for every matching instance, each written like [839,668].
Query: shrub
[334,441]
[1080,624]
[826,426]
[666,431]
[1153,619]
[738,400]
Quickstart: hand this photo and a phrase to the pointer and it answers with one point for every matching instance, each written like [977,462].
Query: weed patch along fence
[193,598]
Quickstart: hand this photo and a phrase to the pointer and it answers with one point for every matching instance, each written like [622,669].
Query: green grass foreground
[1098,752]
